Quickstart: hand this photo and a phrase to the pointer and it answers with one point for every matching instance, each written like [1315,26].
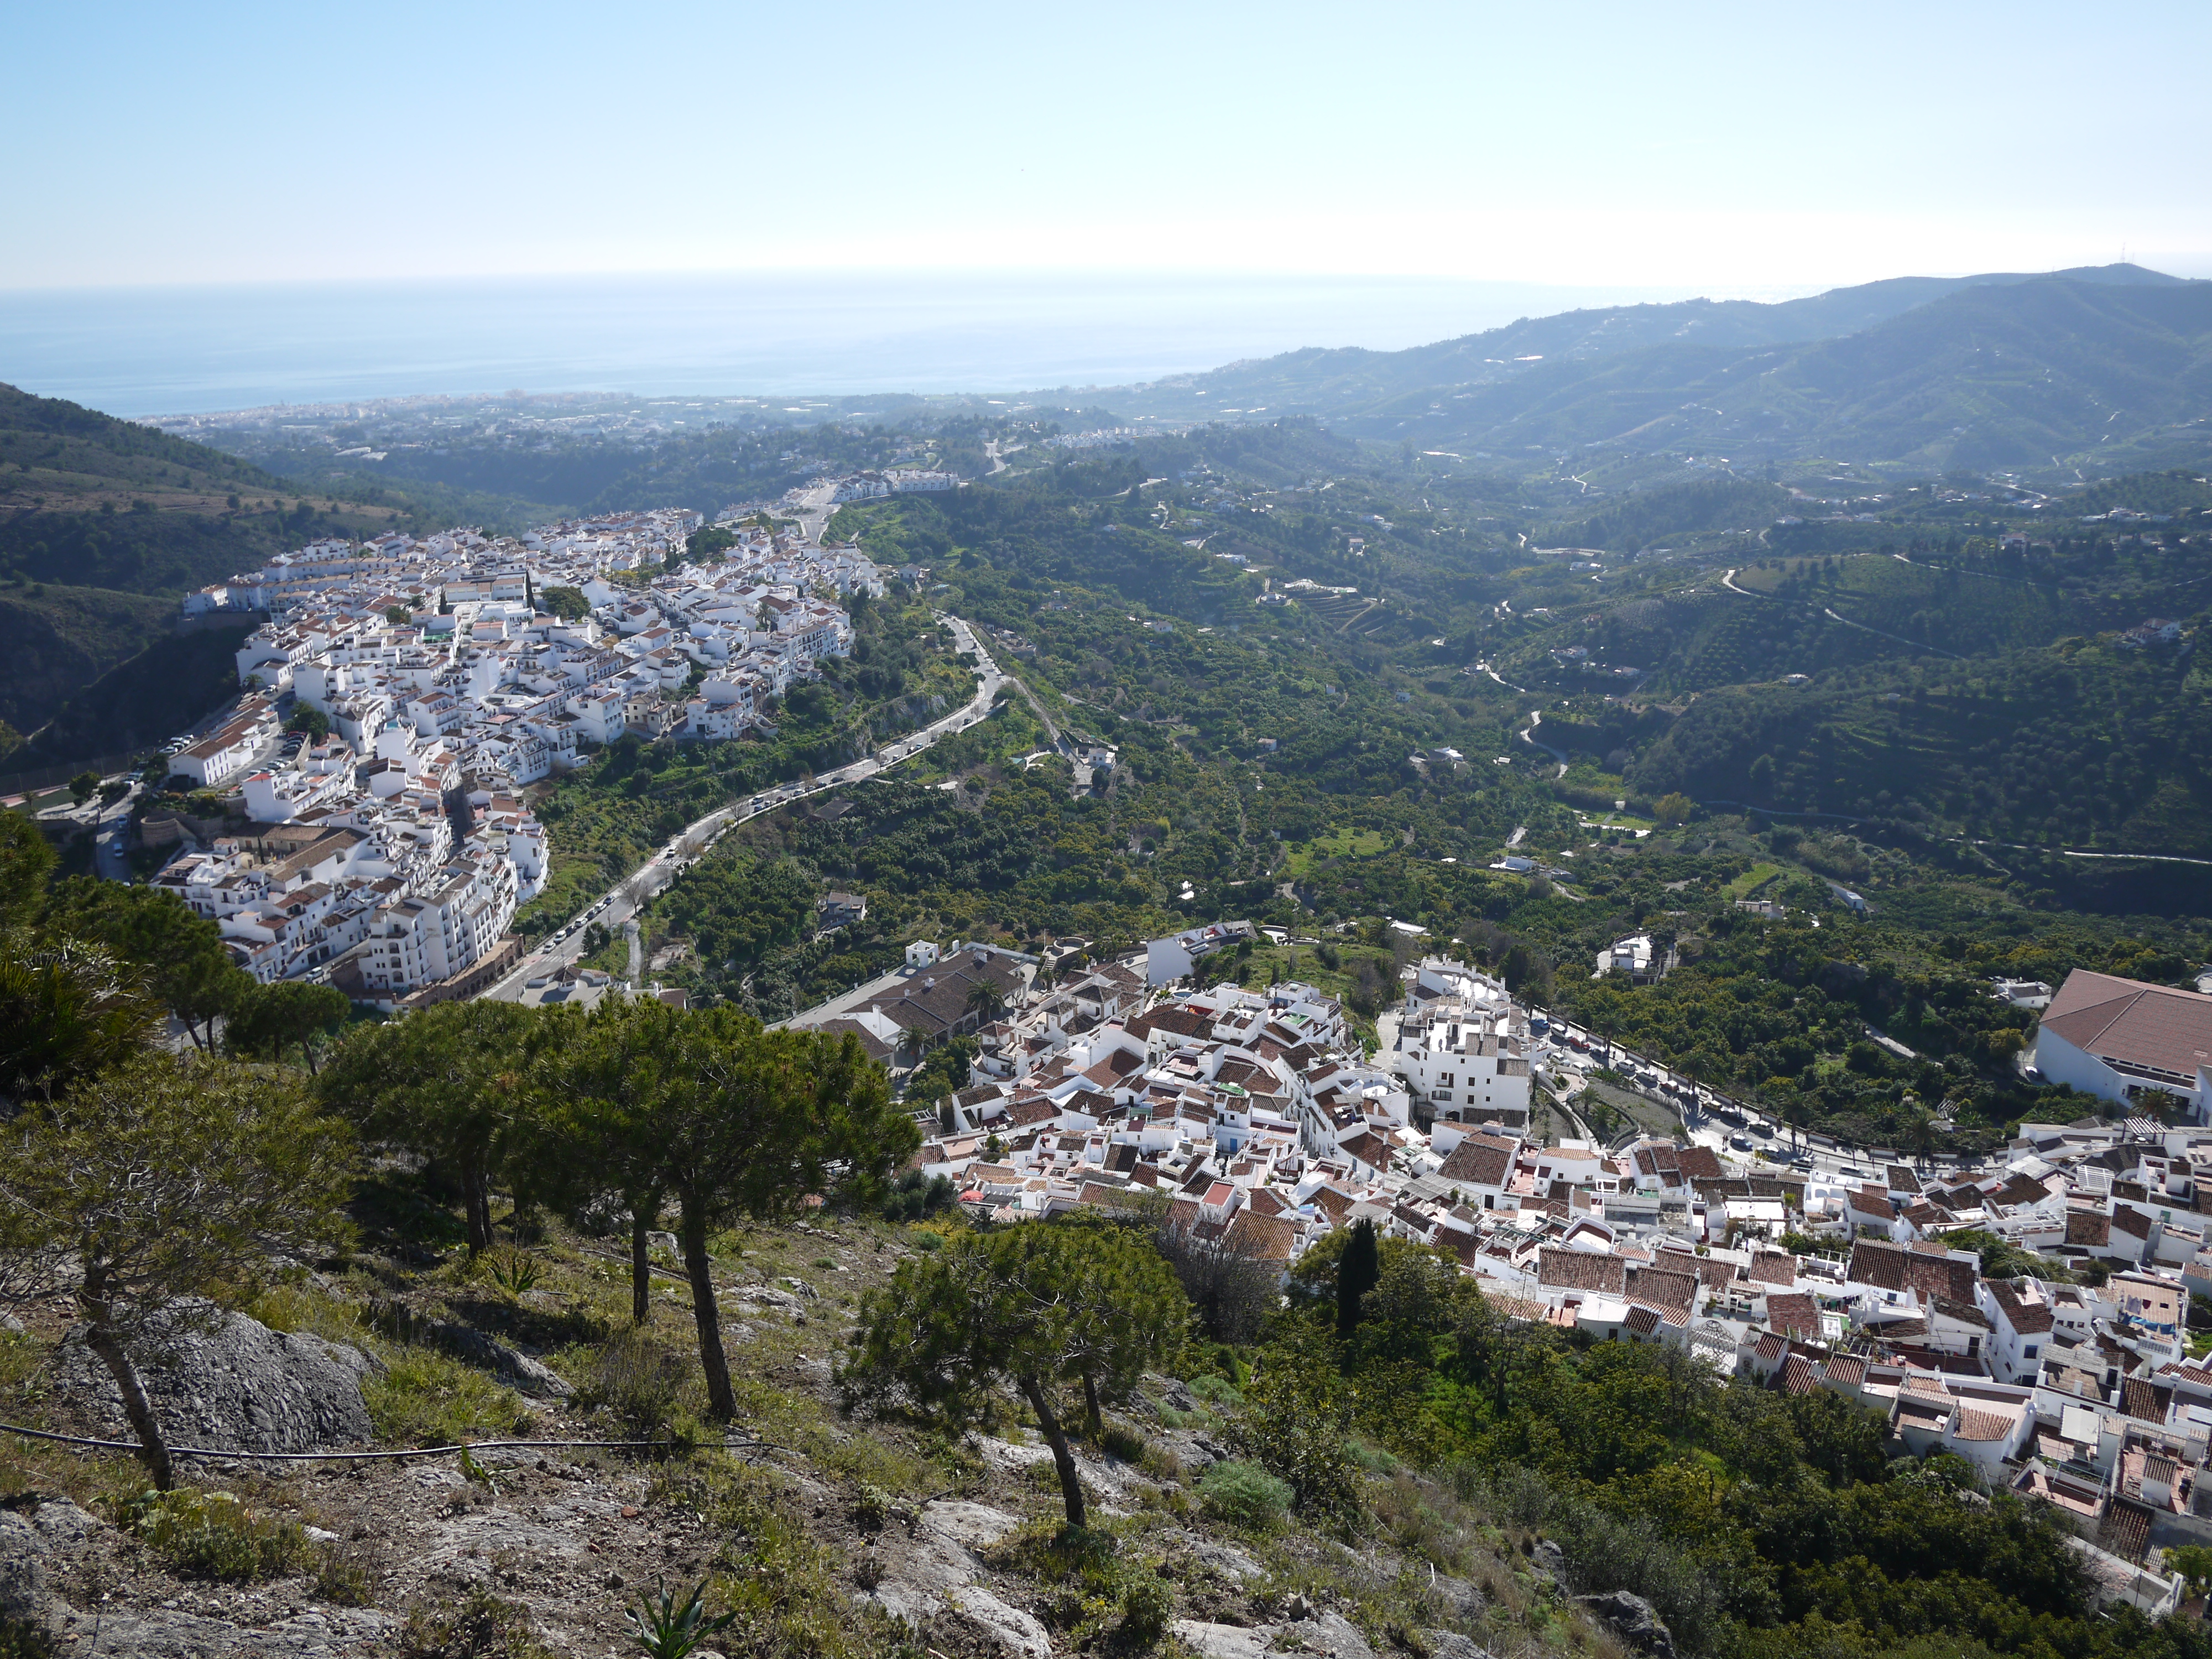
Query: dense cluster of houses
[393,852]
[1259,1111]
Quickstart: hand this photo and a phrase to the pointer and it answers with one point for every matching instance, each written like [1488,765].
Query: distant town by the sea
[172,350]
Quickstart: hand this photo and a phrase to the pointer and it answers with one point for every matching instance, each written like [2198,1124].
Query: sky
[1754,149]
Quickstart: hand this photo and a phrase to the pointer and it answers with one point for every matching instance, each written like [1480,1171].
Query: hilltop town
[391,841]
[2030,1315]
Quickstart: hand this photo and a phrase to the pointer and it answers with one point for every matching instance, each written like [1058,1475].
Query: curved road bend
[633,891]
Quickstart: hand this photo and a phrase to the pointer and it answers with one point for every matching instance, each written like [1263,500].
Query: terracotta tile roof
[1672,1292]
[1369,1148]
[1846,1370]
[1263,1237]
[2089,1228]
[1478,1161]
[1773,1268]
[1709,1270]
[1659,1157]
[1700,1163]
[2020,1189]
[1643,1319]
[1924,1269]
[2125,1529]
[2142,1398]
[2028,1318]
[2144,1025]
[1560,1268]
[2132,1222]
[1796,1376]
[1796,1313]
[1980,1426]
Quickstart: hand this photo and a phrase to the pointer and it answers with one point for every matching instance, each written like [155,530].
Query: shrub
[1146,1603]
[347,1574]
[24,1638]
[481,1627]
[212,1534]
[645,1386]
[1124,1443]
[1244,1495]
[872,1508]
[428,1398]
[1095,1590]
[1216,1391]
[1296,1421]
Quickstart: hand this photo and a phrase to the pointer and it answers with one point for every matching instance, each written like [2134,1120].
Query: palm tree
[985,1001]
[1919,1130]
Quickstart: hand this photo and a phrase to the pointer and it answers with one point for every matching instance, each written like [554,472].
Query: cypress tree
[1357,1271]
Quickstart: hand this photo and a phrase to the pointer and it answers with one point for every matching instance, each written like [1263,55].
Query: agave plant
[513,1272]
[666,1629]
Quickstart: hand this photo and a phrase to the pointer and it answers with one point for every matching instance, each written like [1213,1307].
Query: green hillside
[1344,380]
[144,700]
[89,500]
[55,641]
[2084,745]
[2111,368]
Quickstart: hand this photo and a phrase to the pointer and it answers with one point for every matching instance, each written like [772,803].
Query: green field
[1751,880]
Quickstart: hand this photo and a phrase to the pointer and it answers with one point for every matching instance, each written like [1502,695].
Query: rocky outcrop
[224,1381]
[37,1542]
[1328,1635]
[512,1366]
[1632,1620]
[940,1577]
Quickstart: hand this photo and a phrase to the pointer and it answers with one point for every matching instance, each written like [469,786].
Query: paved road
[615,908]
[1697,1108]
[1528,736]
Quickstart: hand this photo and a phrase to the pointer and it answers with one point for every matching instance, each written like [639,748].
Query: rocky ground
[824,1535]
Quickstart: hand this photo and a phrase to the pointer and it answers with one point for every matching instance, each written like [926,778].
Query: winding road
[623,901]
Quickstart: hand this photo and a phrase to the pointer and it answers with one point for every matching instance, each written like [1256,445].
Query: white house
[2125,1040]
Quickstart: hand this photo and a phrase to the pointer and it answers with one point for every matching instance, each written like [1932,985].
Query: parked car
[1741,1142]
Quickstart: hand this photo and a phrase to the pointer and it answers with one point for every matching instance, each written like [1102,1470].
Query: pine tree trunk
[137,1408]
[1063,1459]
[721,1399]
[476,1204]
[641,1265]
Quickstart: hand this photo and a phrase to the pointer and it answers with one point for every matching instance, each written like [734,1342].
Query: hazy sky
[1739,148]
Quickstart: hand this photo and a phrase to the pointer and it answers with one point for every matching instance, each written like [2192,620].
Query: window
[2029,1352]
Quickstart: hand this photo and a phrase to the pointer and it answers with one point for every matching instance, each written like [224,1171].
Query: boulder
[1210,1640]
[1329,1634]
[515,1369]
[1017,1634]
[782,1301]
[224,1381]
[22,1567]
[1451,1644]
[1632,1620]
[1461,1600]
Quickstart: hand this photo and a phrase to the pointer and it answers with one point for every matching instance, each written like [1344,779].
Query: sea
[142,351]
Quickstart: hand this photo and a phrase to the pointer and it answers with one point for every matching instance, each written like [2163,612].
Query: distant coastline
[179,350]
